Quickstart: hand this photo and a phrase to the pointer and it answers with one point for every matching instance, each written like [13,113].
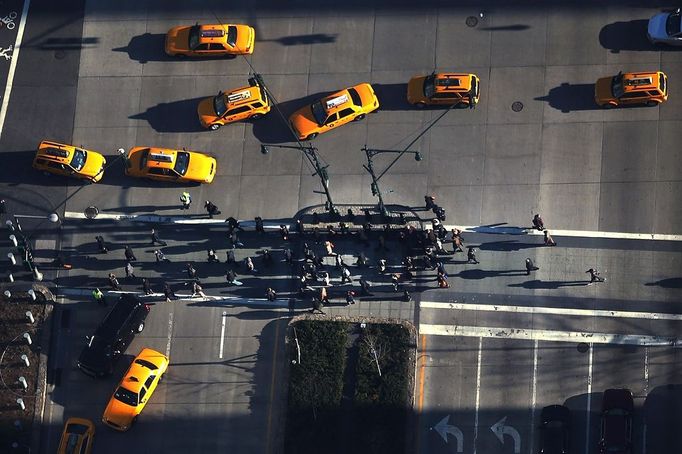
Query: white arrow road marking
[443,429]
[222,335]
[501,429]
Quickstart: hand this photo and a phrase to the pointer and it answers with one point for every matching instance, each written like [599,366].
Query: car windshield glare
[194,36]
[181,162]
[672,24]
[79,157]
[617,86]
[318,112]
[126,396]
[219,105]
[430,86]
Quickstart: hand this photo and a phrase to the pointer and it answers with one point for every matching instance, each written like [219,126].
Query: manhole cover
[517,106]
[472,21]
[91,212]
[583,347]
[59,54]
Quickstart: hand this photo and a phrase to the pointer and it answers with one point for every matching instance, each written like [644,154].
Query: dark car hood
[96,358]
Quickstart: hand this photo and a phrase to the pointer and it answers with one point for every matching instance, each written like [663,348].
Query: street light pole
[321,171]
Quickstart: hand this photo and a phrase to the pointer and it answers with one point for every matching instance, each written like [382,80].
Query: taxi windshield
[672,24]
[232,35]
[181,162]
[126,396]
[194,36]
[78,161]
[219,105]
[617,86]
[319,112]
[430,86]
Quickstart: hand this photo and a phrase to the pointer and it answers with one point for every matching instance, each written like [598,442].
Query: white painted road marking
[222,335]
[550,311]
[588,408]
[443,429]
[500,429]
[478,390]
[170,333]
[13,65]
[548,335]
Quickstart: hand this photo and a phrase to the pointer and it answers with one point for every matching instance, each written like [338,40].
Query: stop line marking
[547,335]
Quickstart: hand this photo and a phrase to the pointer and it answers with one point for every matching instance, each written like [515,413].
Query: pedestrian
[267,257]
[326,278]
[230,256]
[440,266]
[3,207]
[549,241]
[168,292]
[428,262]
[185,200]
[595,276]
[191,271]
[395,280]
[538,224]
[406,296]
[288,256]
[364,288]
[471,255]
[130,255]
[231,278]
[345,275]
[408,263]
[442,281]
[440,213]
[439,247]
[98,296]
[113,282]
[235,240]
[316,235]
[317,306]
[146,287]
[299,226]
[233,224]
[382,265]
[259,225]
[270,294]
[101,244]
[197,290]
[350,297]
[160,257]
[362,260]
[338,261]
[284,232]
[211,209]
[212,256]
[457,243]
[530,266]
[130,271]
[156,239]
[324,296]
[429,202]
[249,265]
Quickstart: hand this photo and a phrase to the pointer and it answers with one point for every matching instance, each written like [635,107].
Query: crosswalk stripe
[547,335]
[550,311]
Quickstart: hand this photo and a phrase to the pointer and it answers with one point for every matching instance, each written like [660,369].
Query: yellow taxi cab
[650,88]
[77,437]
[69,160]
[136,388]
[333,111]
[210,40]
[444,89]
[165,164]
[236,105]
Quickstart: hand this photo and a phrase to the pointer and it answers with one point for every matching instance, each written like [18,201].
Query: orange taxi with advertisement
[135,390]
[235,105]
[166,164]
[210,40]
[69,161]
[462,90]
[77,437]
[649,88]
[350,104]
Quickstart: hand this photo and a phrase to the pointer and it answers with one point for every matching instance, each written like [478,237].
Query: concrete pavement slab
[570,205]
[284,44]
[512,204]
[573,36]
[456,155]
[100,10]
[668,152]
[672,108]
[453,35]
[279,161]
[278,204]
[518,38]
[512,154]
[569,94]
[415,49]
[108,143]
[117,98]
[349,50]
[462,203]
[102,59]
[516,84]
[571,153]
[668,210]
[626,152]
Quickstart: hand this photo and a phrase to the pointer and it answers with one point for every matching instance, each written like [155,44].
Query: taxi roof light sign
[639,81]
[212,33]
[160,157]
[57,152]
[335,102]
[238,96]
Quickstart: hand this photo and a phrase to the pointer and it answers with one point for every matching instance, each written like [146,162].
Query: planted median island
[351,386]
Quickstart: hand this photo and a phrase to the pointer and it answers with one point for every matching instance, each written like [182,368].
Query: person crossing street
[185,200]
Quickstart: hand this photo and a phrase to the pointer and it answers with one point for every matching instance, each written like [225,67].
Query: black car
[554,429]
[112,336]
[616,422]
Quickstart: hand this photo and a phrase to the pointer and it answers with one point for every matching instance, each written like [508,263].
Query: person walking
[98,296]
[270,294]
[382,265]
[471,255]
[156,239]
[429,202]
[168,292]
[329,247]
[267,257]
[364,288]
[595,276]
[440,267]
[326,278]
[549,241]
[231,278]
[538,224]
[260,228]
[211,209]
[250,266]
[101,244]
[288,256]
[346,276]
[457,243]
[191,271]
[443,281]
[130,255]
[212,256]
[234,238]
[284,232]
[317,306]
[185,200]
[395,281]
[324,296]
[146,287]
[113,282]
[362,260]
[350,297]
[530,266]
[130,271]
[230,256]
[160,257]
[197,290]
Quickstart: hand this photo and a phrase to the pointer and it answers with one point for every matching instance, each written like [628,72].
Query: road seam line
[170,333]
[533,401]
[589,399]
[478,390]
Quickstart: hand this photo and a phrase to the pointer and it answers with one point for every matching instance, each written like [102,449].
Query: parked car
[77,437]
[666,28]
[616,422]
[136,388]
[554,429]
[113,336]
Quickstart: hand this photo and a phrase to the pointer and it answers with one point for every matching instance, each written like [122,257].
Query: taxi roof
[453,82]
[212,33]
[160,158]
[56,151]
[640,81]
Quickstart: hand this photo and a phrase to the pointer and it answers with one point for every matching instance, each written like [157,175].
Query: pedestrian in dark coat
[267,257]
[288,256]
[113,282]
[350,297]
[212,256]
[211,209]
[530,266]
[595,276]
[160,257]
[429,202]
[538,224]
[156,239]
[168,292]
[249,265]
[317,306]
[284,232]
[130,256]
[362,260]
[101,244]
[146,287]
[471,255]
[230,256]
[191,271]
[345,275]
[259,225]
[270,294]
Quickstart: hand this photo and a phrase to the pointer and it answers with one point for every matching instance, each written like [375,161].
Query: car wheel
[256,116]
[420,105]
[214,127]
[359,117]
[140,327]
[651,103]
[311,136]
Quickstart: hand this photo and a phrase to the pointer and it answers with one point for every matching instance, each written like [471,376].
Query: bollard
[32,294]
[24,358]
[20,402]
[11,258]
[29,316]
[10,277]
[7,294]
[28,338]
[23,383]
[9,225]
[14,241]
[37,274]
[15,445]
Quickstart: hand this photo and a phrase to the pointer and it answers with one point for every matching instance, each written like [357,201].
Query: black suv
[113,336]
[616,422]
[556,422]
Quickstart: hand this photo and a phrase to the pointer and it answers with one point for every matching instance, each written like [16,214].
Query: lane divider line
[478,389]
[588,407]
